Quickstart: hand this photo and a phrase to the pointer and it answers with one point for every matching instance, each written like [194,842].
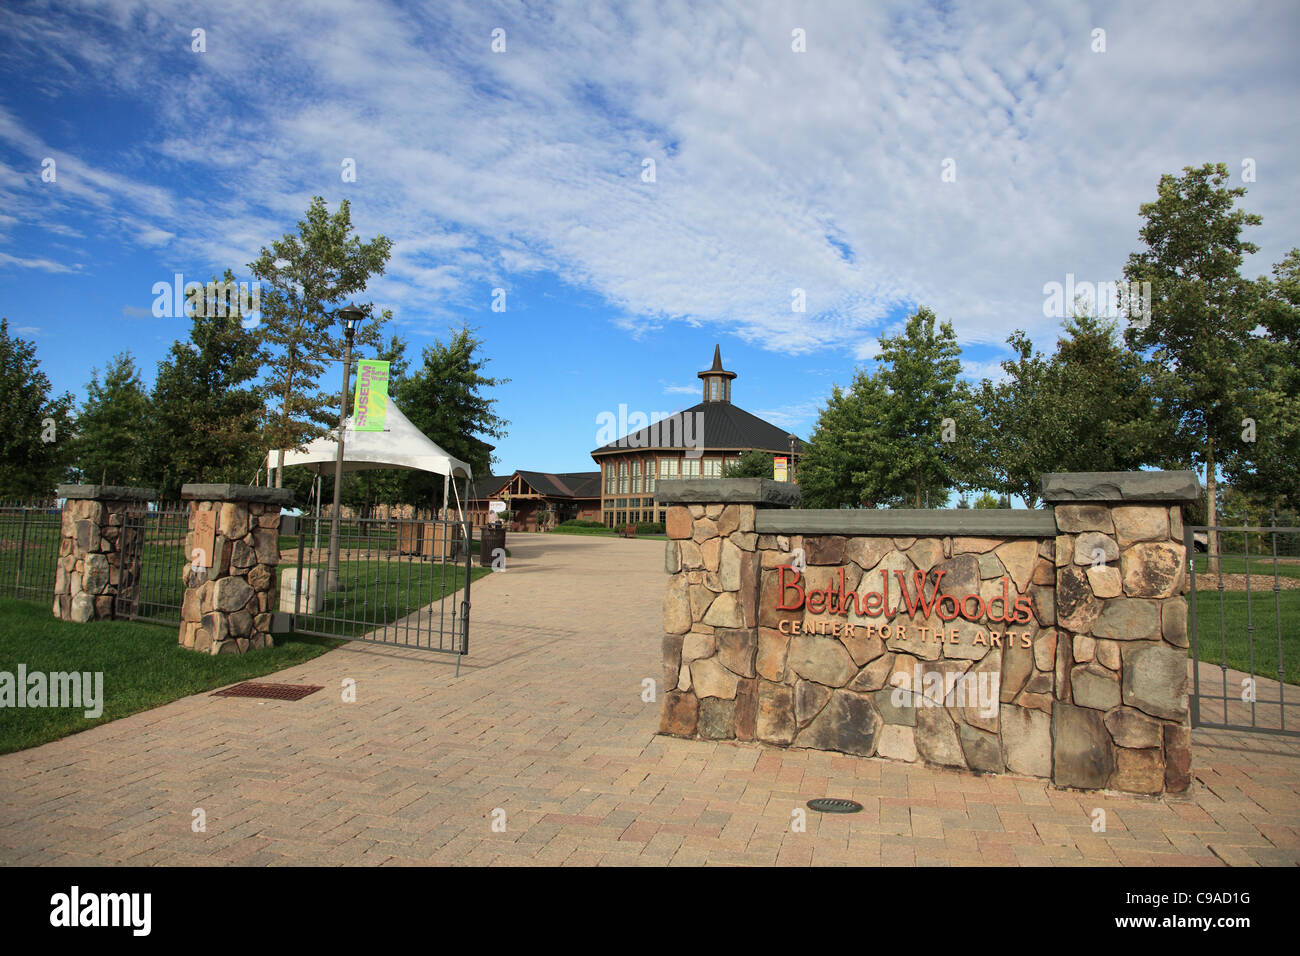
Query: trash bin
[491,537]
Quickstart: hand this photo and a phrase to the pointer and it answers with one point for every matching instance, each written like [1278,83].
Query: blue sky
[774,170]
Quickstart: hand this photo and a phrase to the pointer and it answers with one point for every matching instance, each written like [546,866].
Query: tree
[311,276]
[841,465]
[206,417]
[113,426]
[1010,437]
[1264,461]
[752,464]
[1202,312]
[919,368]
[445,399]
[34,428]
[1089,407]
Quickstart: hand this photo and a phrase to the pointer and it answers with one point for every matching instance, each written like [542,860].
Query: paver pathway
[546,731]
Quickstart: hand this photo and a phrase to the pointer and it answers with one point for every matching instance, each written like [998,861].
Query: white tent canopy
[399,445]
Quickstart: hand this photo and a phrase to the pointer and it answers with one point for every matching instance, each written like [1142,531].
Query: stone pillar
[711,604]
[229,602]
[99,549]
[1121,717]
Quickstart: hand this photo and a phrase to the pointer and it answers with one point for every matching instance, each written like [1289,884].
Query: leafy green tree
[752,464]
[113,427]
[1264,462]
[206,415]
[919,368]
[1202,312]
[841,466]
[446,399]
[1091,406]
[35,434]
[309,277]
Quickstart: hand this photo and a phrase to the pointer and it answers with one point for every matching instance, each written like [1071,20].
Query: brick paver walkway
[546,731]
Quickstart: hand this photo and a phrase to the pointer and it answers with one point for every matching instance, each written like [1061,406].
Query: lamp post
[351,317]
[793,438]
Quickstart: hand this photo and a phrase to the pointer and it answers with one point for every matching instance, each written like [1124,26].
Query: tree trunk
[1211,512]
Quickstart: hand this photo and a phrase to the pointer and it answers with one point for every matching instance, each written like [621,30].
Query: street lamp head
[351,317]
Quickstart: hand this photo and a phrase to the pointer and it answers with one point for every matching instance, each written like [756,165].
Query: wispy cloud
[778,176]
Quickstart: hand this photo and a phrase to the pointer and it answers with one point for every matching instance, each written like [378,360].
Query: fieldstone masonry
[99,550]
[1086,685]
[229,603]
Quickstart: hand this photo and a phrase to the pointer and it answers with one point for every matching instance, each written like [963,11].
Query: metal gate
[29,548]
[1223,627]
[401,583]
[150,586]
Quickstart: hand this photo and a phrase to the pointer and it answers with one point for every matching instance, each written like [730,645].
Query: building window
[622,477]
[636,477]
[690,468]
[713,468]
[610,486]
[650,475]
[667,468]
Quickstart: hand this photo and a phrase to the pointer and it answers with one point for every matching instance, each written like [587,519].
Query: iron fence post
[22,548]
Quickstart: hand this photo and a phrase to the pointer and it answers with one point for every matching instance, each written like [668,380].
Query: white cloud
[775,171]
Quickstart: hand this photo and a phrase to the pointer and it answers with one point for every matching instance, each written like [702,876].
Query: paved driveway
[545,736]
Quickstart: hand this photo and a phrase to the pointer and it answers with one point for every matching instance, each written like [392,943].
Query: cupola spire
[717,380]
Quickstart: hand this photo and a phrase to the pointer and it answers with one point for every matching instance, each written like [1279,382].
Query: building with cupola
[697,442]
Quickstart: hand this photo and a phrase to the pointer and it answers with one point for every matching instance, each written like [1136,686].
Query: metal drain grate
[834,805]
[268,691]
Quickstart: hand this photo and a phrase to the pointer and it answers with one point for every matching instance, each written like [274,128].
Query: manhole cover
[268,691]
[834,805]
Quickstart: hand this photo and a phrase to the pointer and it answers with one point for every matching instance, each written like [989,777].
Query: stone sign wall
[1050,643]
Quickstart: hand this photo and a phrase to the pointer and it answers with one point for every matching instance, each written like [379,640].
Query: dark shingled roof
[569,484]
[724,425]
[486,486]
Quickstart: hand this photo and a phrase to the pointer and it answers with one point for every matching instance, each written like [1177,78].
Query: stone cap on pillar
[1175,486]
[763,492]
[246,493]
[107,493]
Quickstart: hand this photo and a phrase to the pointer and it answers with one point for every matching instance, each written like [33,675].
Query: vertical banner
[779,471]
[370,406]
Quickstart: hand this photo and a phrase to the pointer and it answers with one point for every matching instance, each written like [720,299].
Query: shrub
[581,523]
[650,527]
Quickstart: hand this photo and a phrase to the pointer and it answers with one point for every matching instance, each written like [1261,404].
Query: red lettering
[817,600]
[873,604]
[780,604]
[980,612]
[1022,604]
[938,607]
[918,578]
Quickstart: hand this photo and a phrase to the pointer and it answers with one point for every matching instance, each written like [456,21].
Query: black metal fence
[29,548]
[1253,636]
[153,559]
[403,583]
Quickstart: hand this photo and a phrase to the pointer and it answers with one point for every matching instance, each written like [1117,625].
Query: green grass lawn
[1230,642]
[606,532]
[380,592]
[1259,564]
[142,664]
